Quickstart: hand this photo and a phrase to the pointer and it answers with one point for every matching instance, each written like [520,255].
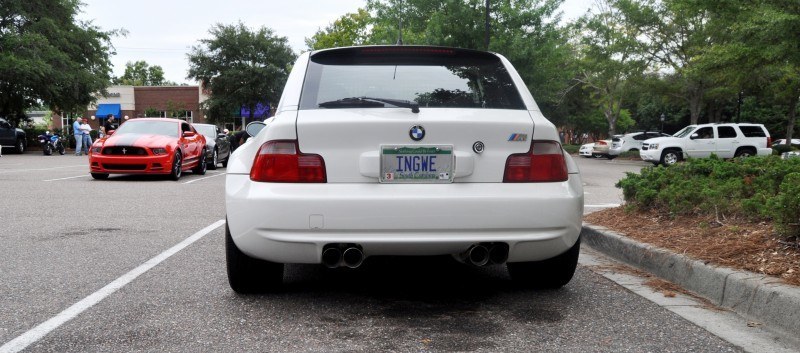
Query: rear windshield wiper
[358,102]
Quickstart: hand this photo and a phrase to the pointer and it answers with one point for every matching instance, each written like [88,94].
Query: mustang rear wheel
[247,274]
[201,166]
[177,165]
[546,274]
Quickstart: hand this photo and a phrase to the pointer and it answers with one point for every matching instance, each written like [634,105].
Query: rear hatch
[374,112]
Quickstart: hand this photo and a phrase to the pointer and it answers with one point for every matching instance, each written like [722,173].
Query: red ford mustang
[149,146]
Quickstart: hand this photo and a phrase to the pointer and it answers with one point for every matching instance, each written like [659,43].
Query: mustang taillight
[281,162]
[543,163]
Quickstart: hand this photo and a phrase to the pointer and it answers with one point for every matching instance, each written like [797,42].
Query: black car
[219,145]
[12,137]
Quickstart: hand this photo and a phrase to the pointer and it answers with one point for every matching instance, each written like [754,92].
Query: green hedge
[758,188]
[571,149]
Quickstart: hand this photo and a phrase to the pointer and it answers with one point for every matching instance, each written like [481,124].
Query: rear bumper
[291,223]
[130,164]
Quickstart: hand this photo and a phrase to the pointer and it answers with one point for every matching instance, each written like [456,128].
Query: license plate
[416,164]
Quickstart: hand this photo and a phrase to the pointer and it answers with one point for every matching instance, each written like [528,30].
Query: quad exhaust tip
[482,254]
[342,255]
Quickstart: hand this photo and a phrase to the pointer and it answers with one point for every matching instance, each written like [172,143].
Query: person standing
[111,124]
[78,133]
[86,129]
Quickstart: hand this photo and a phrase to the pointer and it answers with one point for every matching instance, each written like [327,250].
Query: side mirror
[189,133]
[694,136]
[254,127]
[110,132]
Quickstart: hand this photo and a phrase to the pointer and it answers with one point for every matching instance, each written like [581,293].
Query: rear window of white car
[431,77]
[752,131]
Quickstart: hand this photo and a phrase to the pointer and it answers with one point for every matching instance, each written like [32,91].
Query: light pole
[663,117]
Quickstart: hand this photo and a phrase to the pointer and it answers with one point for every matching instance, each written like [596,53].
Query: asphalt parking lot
[137,264]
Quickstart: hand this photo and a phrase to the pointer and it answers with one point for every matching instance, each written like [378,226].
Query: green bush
[571,149]
[760,189]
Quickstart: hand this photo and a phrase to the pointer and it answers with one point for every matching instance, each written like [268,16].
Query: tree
[240,67]
[613,57]
[50,58]
[350,29]
[759,48]
[140,73]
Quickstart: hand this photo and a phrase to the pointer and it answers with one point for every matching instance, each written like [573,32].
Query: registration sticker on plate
[416,164]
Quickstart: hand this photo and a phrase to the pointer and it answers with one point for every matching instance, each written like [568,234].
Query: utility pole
[486,29]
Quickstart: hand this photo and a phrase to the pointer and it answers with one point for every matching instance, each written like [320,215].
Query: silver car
[631,142]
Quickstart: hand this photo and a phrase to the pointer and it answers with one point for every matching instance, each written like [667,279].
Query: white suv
[630,142]
[699,141]
[403,150]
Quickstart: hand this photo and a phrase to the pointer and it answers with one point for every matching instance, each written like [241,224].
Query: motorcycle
[51,143]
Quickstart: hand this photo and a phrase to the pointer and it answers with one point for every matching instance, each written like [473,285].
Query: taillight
[282,162]
[769,142]
[543,163]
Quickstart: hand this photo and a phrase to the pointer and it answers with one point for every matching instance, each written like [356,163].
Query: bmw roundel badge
[417,132]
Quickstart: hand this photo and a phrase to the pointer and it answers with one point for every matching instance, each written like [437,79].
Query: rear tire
[546,274]
[200,168]
[20,146]
[225,162]
[247,274]
[100,176]
[60,148]
[745,152]
[214,161]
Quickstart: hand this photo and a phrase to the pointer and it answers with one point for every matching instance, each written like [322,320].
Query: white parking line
[72,177]
[32,170]
[604,205]
[36,333]
[192,181]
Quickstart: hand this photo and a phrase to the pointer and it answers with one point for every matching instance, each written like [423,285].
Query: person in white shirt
[87,137]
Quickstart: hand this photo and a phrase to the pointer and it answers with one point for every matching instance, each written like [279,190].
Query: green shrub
[760,189]
[571,149]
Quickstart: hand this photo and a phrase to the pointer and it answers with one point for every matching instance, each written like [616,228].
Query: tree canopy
[241,68]
[48,57]
[140,73]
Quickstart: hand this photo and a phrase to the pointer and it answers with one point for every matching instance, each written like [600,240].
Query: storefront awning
[105,109]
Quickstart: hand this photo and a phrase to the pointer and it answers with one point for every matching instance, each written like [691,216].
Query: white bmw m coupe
[403,150]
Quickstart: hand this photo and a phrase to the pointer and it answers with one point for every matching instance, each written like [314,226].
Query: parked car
[586,150]
[601,148]
[403,150]
[631,142]
[700,141]
[12,137]
[149,146]
[218,145]
[795,142]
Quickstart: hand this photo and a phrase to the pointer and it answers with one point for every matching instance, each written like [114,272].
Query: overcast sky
[161,32]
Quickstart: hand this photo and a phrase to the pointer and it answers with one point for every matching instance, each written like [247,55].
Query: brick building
[131,102]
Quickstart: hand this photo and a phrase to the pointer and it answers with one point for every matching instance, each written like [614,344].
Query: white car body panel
[292,222]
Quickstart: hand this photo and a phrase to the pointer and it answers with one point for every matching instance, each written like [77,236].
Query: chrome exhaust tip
[478,255]
[331,257]
[498,253]
[353,257]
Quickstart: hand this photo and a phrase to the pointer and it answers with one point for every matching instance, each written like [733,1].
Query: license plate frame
[438,170]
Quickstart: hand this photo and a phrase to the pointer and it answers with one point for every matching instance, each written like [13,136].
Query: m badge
[518,137]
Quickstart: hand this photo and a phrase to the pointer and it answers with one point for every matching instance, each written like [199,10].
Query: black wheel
[610,157]
[597,155]
[247,274]
[201,166]
[670,157]
[60,148]
[225,162]
[551,273]
[744,152]
[214,161]
[47,150]
[177,165]
[100,176]
[20,146]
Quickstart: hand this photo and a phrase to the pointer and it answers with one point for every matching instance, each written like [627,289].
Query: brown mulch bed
[730,242]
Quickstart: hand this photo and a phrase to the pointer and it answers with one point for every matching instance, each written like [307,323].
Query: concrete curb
[756,297]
